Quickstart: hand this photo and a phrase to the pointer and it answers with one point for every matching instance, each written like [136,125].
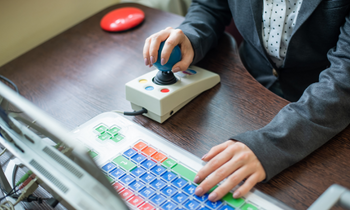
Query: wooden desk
[82,72]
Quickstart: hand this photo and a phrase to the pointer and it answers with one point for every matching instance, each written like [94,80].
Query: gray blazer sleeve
[204,24]
[301,127]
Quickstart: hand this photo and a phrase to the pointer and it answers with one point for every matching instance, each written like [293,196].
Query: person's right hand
[173,37]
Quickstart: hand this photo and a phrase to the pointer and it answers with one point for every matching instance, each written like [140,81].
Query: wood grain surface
[81,73]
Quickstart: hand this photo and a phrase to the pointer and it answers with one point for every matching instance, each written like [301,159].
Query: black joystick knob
[164,78]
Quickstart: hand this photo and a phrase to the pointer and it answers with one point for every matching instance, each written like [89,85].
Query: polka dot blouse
[278,21]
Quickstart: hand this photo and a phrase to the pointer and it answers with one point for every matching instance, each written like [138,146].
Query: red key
[118,187]
[136,201]
[146,206]
[140,145]
[159,157]
[149,151]
[126,194]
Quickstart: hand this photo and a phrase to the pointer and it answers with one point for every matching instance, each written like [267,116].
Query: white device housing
[161,105]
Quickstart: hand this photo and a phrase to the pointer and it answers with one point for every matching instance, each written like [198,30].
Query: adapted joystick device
[165,76]
[163,92]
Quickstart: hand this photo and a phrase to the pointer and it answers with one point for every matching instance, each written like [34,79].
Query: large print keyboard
[149,172]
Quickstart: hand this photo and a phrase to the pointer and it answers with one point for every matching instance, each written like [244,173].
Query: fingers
[218,155]
[219,175]
[232,181]
[220,167]
[146,52]
[248,185]
[215,150]
[173,38]
[234,161]
[156,39]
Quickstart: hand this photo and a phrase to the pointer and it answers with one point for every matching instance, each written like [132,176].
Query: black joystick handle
[165,76]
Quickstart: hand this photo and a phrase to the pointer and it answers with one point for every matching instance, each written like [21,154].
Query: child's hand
[232,160]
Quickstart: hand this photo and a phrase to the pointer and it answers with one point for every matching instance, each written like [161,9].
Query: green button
[113,130]
[124,163]
[185,172]
[101,129]
[92,154]
[169,163]
[212,189]
[248,206]
[233,201]
[117,138]
[104,136]
[110,179]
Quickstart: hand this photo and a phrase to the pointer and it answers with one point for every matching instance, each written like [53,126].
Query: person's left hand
[232,160]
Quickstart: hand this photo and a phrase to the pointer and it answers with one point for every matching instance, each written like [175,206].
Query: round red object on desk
[122,19]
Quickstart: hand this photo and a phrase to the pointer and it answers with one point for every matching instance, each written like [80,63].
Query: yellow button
[143,81]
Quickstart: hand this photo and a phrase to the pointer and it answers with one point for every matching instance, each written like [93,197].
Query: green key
[92,154]
[212,189]
[124,163]
[248,206]
[169,163]
[117,138]
[233,201]
[104,136]
[101,128]
[185,172]
[110,179]
[113,130]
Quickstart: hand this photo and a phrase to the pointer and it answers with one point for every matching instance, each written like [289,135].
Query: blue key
[148,164]
[168,191]
[137,185]
[158,184]
[202,198]
[169,206]
[204,208]
[180,197]
[158,199]
[213,205]
[108,167]
[226,207]
[130,152]
[127,179]
[147,177]
[169,176]
[117,173]
[138,158]
[191,204]
[189,189]
[138,171]
[147,192]
[179,182]
[158,170]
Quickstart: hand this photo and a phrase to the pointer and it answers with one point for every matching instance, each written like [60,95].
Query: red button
[165,90]
[149,151]
[136,201]
[146,206]
[125,194]
[140,146]
[118,187]
[122,19]
[159,157]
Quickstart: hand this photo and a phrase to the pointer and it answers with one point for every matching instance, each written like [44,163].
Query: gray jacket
[315,75]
